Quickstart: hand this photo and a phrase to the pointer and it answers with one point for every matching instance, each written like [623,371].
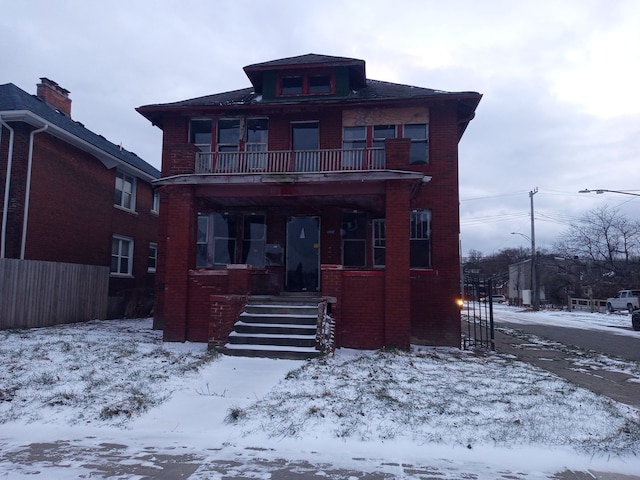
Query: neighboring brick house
[314,179]
[69,195]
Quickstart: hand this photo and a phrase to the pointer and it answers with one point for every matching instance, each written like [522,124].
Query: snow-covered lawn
[115,382]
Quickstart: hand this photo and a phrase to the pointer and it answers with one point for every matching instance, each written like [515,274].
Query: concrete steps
[281,326]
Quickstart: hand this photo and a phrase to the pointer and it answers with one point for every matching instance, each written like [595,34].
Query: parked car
[495,299]
[624,300]
[635,320]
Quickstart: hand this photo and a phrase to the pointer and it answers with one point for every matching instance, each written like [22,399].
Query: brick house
[315,180]
[69,195]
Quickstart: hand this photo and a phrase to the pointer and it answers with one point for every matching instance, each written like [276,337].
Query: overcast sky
[560,82]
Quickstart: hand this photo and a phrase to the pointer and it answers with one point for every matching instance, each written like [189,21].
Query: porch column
[397,296]
[178,235]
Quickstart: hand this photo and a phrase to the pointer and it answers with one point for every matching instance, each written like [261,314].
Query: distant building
[315,181]
[69,195]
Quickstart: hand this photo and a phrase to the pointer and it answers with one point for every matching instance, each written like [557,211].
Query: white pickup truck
[624,300]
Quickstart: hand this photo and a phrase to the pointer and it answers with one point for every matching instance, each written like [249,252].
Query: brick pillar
[397,296]
[179,258]
[397,153]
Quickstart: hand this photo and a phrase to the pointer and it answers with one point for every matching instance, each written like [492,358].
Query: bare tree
[608,244]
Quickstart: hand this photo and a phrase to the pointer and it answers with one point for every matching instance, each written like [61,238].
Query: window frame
[379,241]
[307,89]
[418,141]
[418,237]
[120,198]
[119,256]
[152,262]
[203,147]
[357,240]
[155,202]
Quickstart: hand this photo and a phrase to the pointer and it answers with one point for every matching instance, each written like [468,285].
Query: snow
[110,394]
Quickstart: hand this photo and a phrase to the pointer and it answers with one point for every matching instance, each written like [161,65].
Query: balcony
[288,161]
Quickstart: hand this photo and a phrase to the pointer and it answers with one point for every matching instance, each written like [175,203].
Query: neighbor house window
[379,241]
[419,153]
[153,257]
[125,195]
[155,202]
[354,239]
[200,134]
[121,255]
[420,248]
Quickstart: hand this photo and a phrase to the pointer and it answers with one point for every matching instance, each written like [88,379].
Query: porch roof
[363,189]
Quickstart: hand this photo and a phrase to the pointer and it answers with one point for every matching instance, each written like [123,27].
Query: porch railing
[290,161]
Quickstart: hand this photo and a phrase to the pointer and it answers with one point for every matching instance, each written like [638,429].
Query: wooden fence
[40,294]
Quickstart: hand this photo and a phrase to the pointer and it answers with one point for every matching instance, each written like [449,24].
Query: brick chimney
[54,95]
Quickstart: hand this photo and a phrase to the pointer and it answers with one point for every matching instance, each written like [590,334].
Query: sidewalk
[569,363]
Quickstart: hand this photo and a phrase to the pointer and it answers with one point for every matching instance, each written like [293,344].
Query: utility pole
[535,297]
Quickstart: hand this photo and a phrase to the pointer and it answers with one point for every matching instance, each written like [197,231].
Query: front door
[303,254]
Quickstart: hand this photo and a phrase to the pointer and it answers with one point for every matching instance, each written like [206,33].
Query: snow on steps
[276,327]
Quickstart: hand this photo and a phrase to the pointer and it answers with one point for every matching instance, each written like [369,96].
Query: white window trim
[134,188]
[154,246]
[155,203]
[129,274]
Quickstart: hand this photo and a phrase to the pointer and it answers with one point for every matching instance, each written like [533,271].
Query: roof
[375,90]
[18,105]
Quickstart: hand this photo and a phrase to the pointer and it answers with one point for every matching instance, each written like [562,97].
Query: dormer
[307,76]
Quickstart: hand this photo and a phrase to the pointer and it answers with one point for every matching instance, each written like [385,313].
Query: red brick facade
[404,301]
[71,212]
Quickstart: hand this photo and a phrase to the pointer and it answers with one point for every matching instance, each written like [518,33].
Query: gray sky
[560,79]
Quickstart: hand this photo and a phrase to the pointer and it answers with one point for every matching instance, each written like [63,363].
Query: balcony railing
[289,161]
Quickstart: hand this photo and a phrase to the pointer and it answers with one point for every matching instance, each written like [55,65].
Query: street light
[600,191]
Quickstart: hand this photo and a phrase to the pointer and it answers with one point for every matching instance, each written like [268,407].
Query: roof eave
[108,160]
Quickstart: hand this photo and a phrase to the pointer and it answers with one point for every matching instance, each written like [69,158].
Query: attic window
[312,83]
[320,84]
[292,86]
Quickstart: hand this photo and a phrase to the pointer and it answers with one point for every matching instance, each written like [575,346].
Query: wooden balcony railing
[282,161]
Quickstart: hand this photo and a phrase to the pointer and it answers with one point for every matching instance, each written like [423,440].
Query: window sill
[121,275]
[127,210]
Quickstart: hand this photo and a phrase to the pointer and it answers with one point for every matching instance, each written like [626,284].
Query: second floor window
[155,202]
[125,194]
[200,134]
[417,132]
[228,135]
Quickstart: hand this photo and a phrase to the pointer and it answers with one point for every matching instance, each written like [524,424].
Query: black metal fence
[477,313]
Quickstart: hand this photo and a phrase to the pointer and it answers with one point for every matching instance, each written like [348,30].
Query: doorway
[302,265]
[305,143]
